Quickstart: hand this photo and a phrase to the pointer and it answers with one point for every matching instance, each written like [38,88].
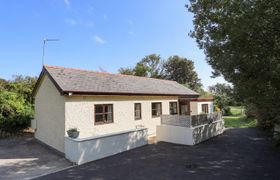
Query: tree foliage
[16,107]
[152,65]
[241,42]
[175,68]
[127,71]
[223,96]
[149,66]
[181,70]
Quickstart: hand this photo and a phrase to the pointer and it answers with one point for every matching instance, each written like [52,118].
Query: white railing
[176,120]
[190,121]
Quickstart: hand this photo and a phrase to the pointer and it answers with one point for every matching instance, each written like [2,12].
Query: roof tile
[77,80]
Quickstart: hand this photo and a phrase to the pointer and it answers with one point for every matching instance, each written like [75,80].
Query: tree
[221,88]
[16,105]
[181,70]
[3,84]
[152,64]
[176,68]
[241,42]
[15,112]
[141,70]
[149,66]
[127,71]
[223,96]
[22,85]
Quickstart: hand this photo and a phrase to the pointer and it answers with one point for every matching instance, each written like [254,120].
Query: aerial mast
[45,40]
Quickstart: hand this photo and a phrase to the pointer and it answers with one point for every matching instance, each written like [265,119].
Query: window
[103,113]
[173,108]
[137,111]
[156,109]
[204,108]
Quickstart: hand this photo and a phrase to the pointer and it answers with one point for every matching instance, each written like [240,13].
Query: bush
[226,111]
[15,112]
[277,140]
[250,111]
[14,126]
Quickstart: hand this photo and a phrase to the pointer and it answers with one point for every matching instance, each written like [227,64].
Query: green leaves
[181,69]
[241,42]
[16,107]
[176,68]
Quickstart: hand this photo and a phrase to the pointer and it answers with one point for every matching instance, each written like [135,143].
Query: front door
[185,108]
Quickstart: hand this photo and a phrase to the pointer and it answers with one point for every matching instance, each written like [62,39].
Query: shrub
[250,111]
[15,112]
[277,140]
[226,111]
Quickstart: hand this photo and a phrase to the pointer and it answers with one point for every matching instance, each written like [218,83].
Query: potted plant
[73,133]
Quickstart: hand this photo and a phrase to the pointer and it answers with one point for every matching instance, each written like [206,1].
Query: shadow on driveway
[23,158]
[236,154]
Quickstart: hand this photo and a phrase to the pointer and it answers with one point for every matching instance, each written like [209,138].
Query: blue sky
[95,34]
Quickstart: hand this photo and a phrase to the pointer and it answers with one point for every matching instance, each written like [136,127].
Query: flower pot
[73,134]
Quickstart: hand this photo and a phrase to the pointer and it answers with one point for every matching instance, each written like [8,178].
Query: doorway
[185,108]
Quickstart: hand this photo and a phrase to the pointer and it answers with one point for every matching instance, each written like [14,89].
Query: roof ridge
[85,70]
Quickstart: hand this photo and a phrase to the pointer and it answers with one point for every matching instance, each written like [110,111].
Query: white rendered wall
[49,115]
[189,136]
[89,149]
[194,108]
[79,113]
[175,134]
[197,109]
[204,132]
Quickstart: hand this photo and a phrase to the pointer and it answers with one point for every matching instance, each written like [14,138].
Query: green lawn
[238,119]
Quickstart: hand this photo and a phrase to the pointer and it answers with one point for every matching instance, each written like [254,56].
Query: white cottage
[98,103]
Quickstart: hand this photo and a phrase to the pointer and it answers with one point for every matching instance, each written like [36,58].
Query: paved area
[236,154]
[24,157]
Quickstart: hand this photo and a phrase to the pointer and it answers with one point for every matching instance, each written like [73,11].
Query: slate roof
[77,81]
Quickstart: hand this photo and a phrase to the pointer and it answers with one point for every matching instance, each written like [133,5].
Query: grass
[237,110]
[238,118]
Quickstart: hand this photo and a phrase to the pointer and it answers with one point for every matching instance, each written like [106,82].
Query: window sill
[103,123]
[156,116]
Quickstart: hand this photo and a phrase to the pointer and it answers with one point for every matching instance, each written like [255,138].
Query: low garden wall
[174,132]
[82,150]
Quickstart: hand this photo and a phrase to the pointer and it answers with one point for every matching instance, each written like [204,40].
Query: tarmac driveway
[24,158]
[236,154]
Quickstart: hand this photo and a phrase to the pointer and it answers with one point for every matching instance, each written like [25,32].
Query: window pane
[154,112]
[108,108]
[98,118]
[204,108]
[173,107]
[137,115]
[98,108]
[109,117]
[103,113]
[158,106]
[137,111]
[156,109]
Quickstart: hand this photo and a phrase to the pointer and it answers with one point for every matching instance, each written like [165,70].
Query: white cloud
[67,3]
[71,22]
[98,39]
